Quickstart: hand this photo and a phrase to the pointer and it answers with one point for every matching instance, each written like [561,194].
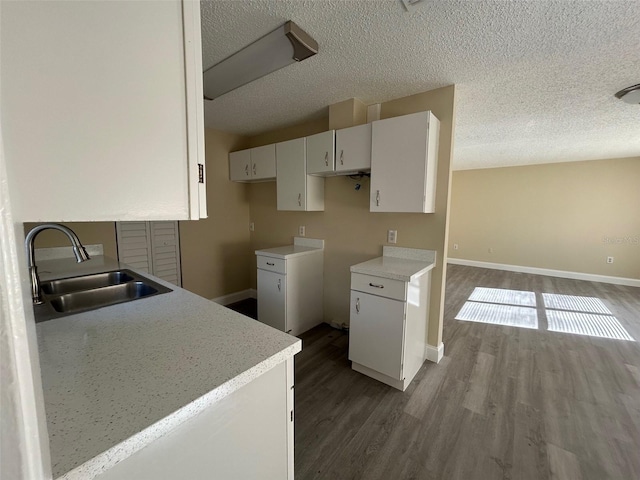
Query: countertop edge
[109,458]
[392,276]
[266,253]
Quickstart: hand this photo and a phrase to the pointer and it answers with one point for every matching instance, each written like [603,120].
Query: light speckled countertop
[398,263]
[301,246]
[117,378]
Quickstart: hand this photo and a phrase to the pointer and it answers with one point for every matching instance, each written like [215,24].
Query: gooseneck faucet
[78,250]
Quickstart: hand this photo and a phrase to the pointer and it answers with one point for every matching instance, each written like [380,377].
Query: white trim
[434,354]
[590,277]
[236,296]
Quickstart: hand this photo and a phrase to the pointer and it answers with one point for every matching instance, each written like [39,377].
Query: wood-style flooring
[504,403]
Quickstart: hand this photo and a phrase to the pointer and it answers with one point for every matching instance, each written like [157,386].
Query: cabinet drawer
[271,264]
[383,287]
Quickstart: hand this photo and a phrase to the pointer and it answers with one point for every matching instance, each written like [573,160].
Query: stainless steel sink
[89,292]
[86,282]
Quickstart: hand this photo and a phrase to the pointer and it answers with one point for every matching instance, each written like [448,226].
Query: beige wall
[89,233]
[561,216]
[215,253]
[352,233]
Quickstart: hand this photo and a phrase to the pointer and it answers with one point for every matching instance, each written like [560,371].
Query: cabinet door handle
[299,199]
[270,264]
[326,159]
[341,157]
[377,198]
[279,285]
[254,169]
[246,169]
[357,305]
[375,285]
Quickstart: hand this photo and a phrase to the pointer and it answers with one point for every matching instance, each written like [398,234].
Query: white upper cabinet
[253,165]
[102,110]
[240,166]
[263,162]
[321,150]
[353,149]
[340,152]
[295,189]
[404,157]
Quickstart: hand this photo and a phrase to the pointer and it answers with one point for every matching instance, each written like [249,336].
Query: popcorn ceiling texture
[535,80]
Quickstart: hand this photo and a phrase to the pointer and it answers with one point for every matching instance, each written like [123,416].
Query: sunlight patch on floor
[593,325]
[575,303]
[503,296]
[524,317]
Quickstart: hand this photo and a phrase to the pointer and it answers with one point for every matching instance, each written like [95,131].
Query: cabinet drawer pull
[246,169]
[376,285]
[279,285]
[341,157]
[270,264]
[377,198]
[254,169]
[299,199]
[357,305]
[326,159]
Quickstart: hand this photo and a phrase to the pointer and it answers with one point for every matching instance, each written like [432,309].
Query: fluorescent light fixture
[285,45]
[630,94]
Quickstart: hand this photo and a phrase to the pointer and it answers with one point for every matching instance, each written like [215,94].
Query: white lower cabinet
[248,434]
[388,327]
[272,300]
[290,289]
[377,333]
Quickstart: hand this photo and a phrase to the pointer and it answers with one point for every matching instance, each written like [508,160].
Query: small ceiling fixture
[285,45]
[630,94]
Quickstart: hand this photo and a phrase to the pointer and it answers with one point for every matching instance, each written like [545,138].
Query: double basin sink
[67,296]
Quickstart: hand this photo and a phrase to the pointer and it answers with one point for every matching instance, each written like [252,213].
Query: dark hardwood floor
[504,403]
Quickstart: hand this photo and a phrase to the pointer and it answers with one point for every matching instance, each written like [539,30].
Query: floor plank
[504,403]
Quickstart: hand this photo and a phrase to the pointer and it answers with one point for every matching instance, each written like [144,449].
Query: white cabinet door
[102,110]
[272,299]
[376,333]
[403,163]
[240,166]
[291,175]
[353,149]
[321,153]
[263,162]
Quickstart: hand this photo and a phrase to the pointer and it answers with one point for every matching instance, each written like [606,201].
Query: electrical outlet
[491,250]
[392,236]
[252,227]
[455,246]
[301,231]
[609,259]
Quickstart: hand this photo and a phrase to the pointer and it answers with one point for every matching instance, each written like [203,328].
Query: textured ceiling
[535,80]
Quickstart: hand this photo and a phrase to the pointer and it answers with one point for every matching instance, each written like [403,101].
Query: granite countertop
[117,378]
[397,263]
[301,246]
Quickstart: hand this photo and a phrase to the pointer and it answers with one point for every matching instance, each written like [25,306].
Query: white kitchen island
[169,386]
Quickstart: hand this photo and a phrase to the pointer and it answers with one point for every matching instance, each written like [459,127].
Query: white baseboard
[236,296]
[631,282]
[435,354]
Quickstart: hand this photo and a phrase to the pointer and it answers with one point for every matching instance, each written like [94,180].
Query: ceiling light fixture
[630,94]
[285,45]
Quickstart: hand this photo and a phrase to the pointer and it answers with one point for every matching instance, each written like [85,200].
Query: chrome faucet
[78,250]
